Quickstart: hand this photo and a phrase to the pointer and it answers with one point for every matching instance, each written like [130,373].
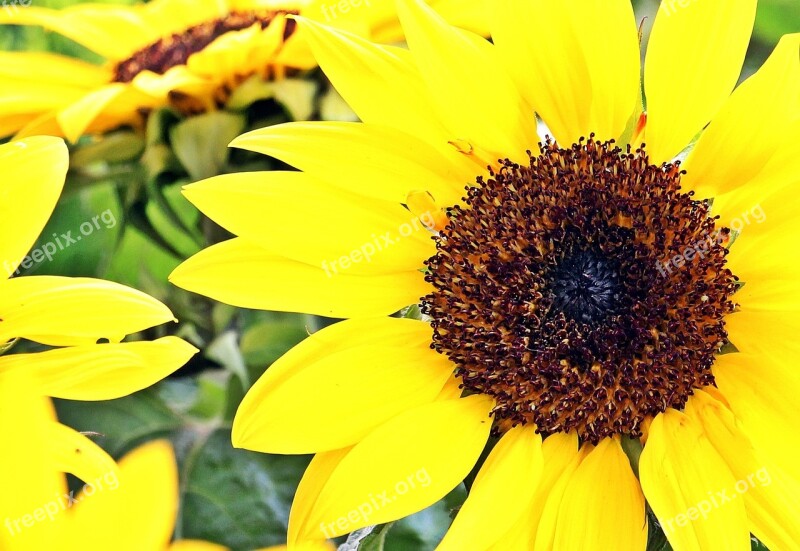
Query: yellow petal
[770,498]
[314,480]
[693,62]
[382,84]
[764,332]
[576,63]
[402,467]
[476,102]
[106,30]
[560,455]
[501,492]
[305,546]
[28,471]
[196,545]
[33,176]
[690,488]
[62,311]
[373,237]
[79,116]
[381,163]
[51,69]
[762,392]
[77,455]
[751,126]
[603,497]
[239,273]
[351,377]
[137,509]
[103,371]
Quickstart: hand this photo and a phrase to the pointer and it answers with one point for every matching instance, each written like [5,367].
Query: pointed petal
[751,126]
[314,480]
[501,492]
[488,113]
[79,116]
[62,311]
[762,393]
[402,467]
[382,84]
[28,471]
[374,237]
[137,509]
[770,498]
[352,377]
[239,273]
[560,454]
[103,371]
[693,62]
[604,498]
[77,455]
[33,176]
[109,31]
[382,163]
[576,63]
[196,545]
[681,475]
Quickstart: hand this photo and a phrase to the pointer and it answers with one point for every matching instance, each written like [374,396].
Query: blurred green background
[233,497]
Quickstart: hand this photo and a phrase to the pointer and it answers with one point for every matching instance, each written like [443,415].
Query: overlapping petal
[693,62]
[340,384]
[242,274]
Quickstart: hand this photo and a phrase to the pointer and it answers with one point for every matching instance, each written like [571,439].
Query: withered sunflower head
[565,290]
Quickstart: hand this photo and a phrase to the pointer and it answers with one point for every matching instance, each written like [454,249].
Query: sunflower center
[586,287]
[171,51]
[565,290]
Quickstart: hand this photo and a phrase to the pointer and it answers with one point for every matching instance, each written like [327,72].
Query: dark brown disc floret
[176,49]
[584,292]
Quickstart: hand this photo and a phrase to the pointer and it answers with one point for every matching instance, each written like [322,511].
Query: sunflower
[69,315]
[132,505]
[188,54]
[622,343]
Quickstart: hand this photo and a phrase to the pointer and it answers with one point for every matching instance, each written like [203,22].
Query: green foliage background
[233,497]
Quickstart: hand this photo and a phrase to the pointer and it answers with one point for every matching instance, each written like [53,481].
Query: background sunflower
[228,496]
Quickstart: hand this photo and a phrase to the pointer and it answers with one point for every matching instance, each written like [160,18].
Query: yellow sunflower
[69,314]
[185,53]
[130,506]
[625,345]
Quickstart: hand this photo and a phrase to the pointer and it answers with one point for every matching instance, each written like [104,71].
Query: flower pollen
[550,292]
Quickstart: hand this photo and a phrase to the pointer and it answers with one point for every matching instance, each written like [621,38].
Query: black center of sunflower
[174,50]
[586,287]
[556,291]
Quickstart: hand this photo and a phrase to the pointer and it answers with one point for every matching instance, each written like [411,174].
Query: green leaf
[116,147]
[201,142]
[121,424]
[776,18]
[371,538]
[267,341]
[237,498]
[656,539]
[77,239]
[424,530]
